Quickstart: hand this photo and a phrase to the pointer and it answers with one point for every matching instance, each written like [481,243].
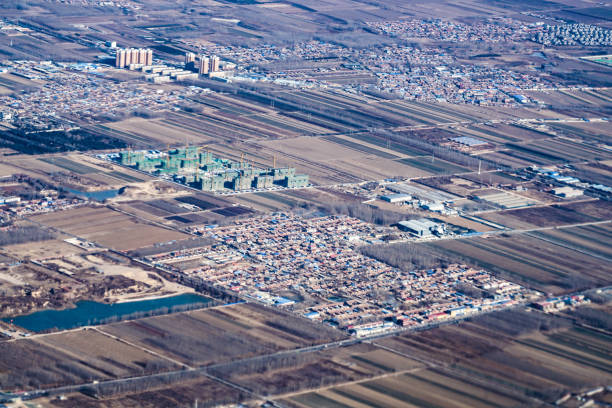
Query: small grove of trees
[443,152]
[19,235]
[155,312]
[284,373]
[518,322]
[599,318]
[365,213]
[407,256]
[135,385]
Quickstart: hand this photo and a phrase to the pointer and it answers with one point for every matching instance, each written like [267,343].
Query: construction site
[200,169]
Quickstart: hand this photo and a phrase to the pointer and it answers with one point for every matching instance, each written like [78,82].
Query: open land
[394,204]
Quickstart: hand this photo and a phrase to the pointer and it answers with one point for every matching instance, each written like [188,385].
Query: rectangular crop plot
[436,166]
[108,228]
[553,215]
[125,177]
[232,211]
[223,334]
[360,147]
[532,261]
[198,202]
[179,219]
[69,165]
[189,218]
[72,358]
[167,206]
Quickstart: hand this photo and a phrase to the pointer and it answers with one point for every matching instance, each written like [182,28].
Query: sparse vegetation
[19,235]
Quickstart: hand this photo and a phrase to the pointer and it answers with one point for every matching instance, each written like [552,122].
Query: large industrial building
[200,169]
[423,228]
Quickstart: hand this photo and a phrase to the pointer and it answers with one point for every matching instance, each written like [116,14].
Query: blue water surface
[88,312]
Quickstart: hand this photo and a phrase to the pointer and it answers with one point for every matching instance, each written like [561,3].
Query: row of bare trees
[19,235]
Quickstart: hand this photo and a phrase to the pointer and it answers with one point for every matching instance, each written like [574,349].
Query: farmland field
[271,202]
[72,358]
[503,359]
[156,131]
[553,215]
[588,131]
[321,368]
[360,147]
[232,211]
[108,228]
[435,166]
[183,394]
[532,261]
[215,335]
[592,239]
[70,165]
[421,388]
[382,142]
[202,202]
[328,162]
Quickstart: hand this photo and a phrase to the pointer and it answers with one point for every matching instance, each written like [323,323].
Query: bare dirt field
[159,131]
[108,228]
[326,161]
[222,334]
[71,358]
[207,392]
[42,250]
[553,215]
[533,261]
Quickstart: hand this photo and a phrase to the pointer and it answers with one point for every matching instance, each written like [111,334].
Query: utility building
[422,228]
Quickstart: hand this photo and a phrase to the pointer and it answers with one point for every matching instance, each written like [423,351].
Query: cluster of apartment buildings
[142,59]
[574,34]
[203,64]
[131,56]
[200,169]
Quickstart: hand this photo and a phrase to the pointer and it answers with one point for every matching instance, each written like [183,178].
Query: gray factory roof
[422,224]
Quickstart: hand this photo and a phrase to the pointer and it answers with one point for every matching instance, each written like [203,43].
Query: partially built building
[200,169]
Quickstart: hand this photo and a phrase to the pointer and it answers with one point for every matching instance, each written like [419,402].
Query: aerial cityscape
[305,204]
